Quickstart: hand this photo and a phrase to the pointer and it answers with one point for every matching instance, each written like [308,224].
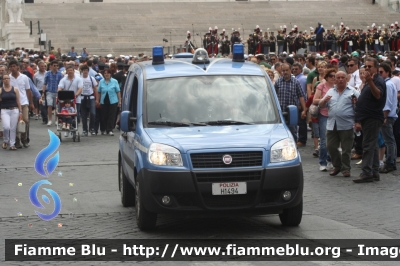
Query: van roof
[183,67]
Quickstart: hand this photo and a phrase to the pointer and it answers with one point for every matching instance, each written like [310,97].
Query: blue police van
[206,136]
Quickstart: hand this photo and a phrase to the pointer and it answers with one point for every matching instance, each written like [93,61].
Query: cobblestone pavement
[334,207]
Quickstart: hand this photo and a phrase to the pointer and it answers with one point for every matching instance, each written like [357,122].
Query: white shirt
[355,80]
[22,83]
[88,84]
[71,85]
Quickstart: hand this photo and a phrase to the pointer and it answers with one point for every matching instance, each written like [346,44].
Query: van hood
[218,137]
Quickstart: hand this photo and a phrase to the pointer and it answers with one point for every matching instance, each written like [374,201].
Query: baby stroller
[62,97]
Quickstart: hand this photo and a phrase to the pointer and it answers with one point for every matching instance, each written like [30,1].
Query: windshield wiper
[176,124]
[226,122]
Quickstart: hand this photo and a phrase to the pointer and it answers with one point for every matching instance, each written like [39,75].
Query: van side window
[134,97]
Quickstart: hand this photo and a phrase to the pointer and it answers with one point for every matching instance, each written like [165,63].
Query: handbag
[314,110]
[21,126]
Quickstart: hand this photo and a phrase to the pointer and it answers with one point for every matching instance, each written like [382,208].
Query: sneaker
[381,166]
[49,123]
[111,133]
[84,133]
[360,162]
[316,153]
[92,133]
[103,132]
[322,168]
[18,145]
[66,134]
[25,144]
[36,117]
[329,166]
[386,169]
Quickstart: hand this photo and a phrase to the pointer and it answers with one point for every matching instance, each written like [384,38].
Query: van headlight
[283,150]
[160,154]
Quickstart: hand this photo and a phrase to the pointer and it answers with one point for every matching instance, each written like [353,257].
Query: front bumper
[191,190]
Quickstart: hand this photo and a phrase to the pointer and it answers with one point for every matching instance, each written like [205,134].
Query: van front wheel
[292,216]
[145,220]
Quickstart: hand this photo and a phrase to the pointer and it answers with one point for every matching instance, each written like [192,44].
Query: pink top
[324,88]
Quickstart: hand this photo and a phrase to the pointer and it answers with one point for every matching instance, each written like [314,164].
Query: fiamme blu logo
[45,166]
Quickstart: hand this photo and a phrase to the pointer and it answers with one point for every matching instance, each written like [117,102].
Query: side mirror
[127,122]
[291,115]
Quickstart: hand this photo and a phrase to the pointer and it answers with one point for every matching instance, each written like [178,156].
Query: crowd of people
[375,38]
[350,103]
[30,81]
[347,97]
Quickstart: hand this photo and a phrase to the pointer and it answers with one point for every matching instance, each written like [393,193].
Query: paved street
[334,207]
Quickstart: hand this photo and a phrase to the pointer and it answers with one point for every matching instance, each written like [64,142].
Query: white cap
[291,55]
[341,23]
[223,30]
[209,28]
[126,57]
[188,32]
[216,28]
[284,52]
[122,56]
[295,26]
[109,55]
[284,26]
[257,27]
[111,61]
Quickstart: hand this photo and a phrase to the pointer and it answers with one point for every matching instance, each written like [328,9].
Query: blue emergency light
[158,55]
[238,53]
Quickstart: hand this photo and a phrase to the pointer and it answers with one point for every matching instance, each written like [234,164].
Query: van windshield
[210,100]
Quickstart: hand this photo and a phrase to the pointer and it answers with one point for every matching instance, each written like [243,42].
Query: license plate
[230,188]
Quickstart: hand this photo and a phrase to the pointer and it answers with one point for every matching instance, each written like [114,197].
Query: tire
[126,188]
[292,216]
[145,220]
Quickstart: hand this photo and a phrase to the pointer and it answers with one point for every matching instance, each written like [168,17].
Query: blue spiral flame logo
[45,153]
[35,201]
[46,169]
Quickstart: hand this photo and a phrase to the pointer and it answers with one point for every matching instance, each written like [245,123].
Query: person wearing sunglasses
[354,79]
[369,117]
[390,117]
[320,93]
